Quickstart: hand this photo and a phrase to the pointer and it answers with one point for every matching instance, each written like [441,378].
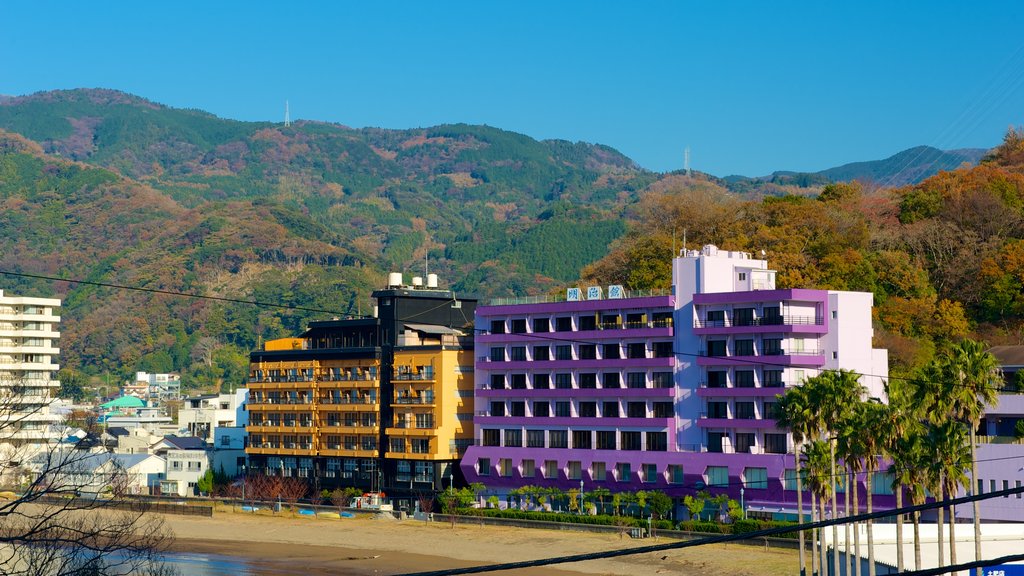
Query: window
[497,381]
[716,348]
[551,469]
[835,314]
[610,351]
[714,318]
[675,474]
[588,409]
[835,355]
[717,379]
[881,484]
[541,381]
[743,317]
[744,442]
[771,346]
[755,477]
[491,438]
[650,472]
[588,323]
[517,409]
[541,325]
[563,381]
[610,321]
[534,438]
[563,409]
[609,409]
[744,378]
[598,472]
[622,472]
[497,326]
[505,467]
[588,380]
[518,382]
[636,321]
[611,380]
[563,324]
[657,441]
[588,351]
[789,478]
[663,350]
[772,379]
[662,380]
[717,409]
[636,350]
[581,439]
[717,476]
[636,410]
[636,380]
[483,466]
[558,439]
[1006,486]
[519,326]
[575,470]
[529,469]
[606,440]
[715,441]
[514,438]
[775,443]
[771,411]
[744,347]
[744,410]
[517,353]
[630,440]
[541,353]
[497,408]
[663,410]
[541,409]
[497,354]
[563,352]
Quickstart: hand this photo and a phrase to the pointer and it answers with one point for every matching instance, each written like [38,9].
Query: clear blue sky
[750,87]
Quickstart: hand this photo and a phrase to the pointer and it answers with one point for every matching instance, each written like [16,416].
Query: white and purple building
[672,391]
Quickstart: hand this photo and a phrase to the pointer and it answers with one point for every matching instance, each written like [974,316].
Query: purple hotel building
[672,391]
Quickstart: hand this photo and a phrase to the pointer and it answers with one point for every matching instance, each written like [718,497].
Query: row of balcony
[762,321]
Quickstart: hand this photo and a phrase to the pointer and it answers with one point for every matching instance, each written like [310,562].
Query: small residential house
[229,450]
[202,415]
[183,471]
[94,473]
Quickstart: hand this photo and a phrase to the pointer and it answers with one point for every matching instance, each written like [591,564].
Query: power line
[723,538]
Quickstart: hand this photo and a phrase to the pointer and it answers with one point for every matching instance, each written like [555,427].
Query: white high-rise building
[28,375]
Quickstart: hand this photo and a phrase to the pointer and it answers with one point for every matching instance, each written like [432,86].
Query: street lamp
[243,485]
[581,496]
[743,506]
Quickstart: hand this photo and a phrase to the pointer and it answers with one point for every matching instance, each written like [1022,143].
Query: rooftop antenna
[288,120]
[686,160]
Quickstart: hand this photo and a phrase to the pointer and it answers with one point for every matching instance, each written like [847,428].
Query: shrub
[703,526]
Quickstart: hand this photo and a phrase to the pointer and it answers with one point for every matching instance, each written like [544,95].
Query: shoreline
[365,546]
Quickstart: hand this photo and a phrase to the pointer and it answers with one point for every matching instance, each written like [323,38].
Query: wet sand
[367,546]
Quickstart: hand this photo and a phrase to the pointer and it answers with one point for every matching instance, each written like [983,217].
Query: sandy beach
[365,545]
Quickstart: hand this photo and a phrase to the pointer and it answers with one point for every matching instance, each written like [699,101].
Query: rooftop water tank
[431,280]
[394,279]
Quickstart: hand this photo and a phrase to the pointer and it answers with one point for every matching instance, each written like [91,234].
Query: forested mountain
[901,169]
[944,257]
[112,188]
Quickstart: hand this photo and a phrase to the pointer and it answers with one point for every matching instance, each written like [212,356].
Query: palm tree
[951,462]
[873,420]
[819,466]
[975,375]
[851,450]
[796,414]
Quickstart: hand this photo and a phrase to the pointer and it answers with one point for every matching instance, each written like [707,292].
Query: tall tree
[796,414]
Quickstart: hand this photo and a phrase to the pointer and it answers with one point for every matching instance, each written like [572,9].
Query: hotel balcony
[486,363]
[267,406]
[740,392]
[773,324]
[279,429]
[284,449]
[414,401]
[347,451]
[341,429]
[782,358]
[736,423]
[624,392]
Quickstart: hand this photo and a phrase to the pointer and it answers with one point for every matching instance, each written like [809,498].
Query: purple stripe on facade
[595,423]
[795,294]
[736,423]
[577,393]
[520,310]
[521,365]
[816,360]
[740,392]
[766,329]
[610,334]
[695,465]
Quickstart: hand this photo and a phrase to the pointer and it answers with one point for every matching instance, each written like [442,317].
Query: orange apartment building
[383,403]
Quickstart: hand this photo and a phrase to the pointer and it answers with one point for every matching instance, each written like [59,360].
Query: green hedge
[743,526]
[703,526]
[601,519]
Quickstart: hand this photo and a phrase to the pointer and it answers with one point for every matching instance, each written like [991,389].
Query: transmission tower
[287,118]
